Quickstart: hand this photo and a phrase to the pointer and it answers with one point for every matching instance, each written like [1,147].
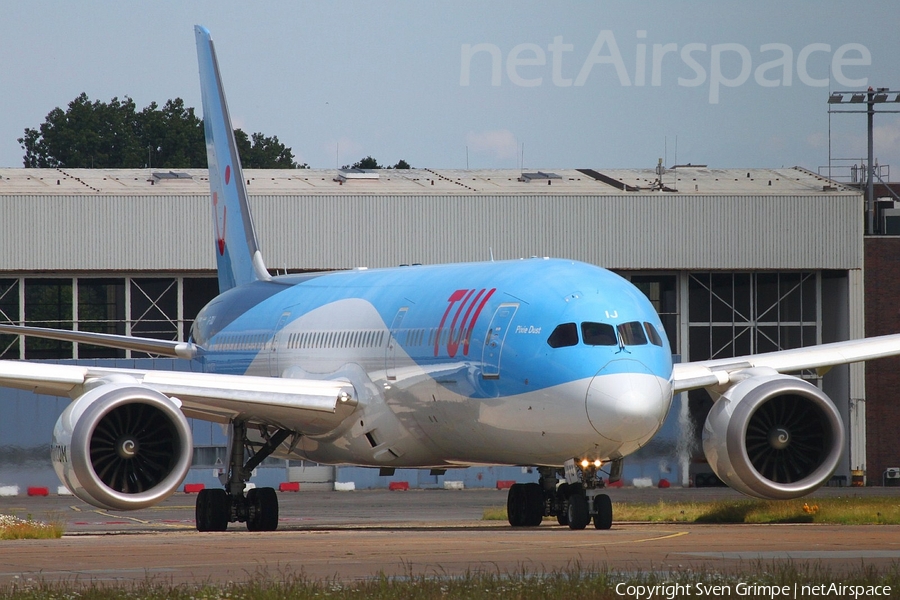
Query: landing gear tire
[562,504]
[262,504]
[534,500]
[515,506]
[578,511]
[603,513]
[525,505]
[212,511]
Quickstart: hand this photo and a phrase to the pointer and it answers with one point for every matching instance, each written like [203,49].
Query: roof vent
[171,175]
[540,175]
[357,174]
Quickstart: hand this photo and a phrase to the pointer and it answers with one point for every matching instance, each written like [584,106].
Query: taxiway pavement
[356,535]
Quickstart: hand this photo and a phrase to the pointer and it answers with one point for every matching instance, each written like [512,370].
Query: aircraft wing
[708,373]
[124,342]
[304,405]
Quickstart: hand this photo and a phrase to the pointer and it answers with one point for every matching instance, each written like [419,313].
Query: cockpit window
[632,334]
[598,334]
[564,335]
[653,334]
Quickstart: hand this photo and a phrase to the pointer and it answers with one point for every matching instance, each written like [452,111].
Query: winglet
[238,257]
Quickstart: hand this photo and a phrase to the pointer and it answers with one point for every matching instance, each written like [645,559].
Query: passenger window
[598,334]
[653,334]
[632,334]
[564,335]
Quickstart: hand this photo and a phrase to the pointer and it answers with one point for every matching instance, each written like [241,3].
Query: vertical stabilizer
[238,258]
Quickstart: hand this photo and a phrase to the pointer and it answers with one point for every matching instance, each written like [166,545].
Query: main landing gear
[216,508]
[575,502]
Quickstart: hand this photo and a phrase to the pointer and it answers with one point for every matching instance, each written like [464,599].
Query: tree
[261,152]
[114,135]
[173,136]
[370,163]
[365,163]
[87,134]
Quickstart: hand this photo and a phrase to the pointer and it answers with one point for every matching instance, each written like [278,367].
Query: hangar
[736,261]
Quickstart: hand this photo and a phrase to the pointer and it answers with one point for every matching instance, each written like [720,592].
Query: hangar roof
[693,180]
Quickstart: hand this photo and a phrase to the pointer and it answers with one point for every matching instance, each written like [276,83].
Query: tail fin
[238,257]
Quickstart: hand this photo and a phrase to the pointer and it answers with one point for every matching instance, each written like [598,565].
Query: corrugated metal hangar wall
[634,232]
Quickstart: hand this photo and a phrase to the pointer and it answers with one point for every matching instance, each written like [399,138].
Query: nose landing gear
[586,500]
[576,502]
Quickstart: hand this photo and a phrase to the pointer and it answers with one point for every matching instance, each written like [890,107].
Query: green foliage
[841,511]
[364,163]
[494,513]
[371,163]
[14,528]
[173,136]
[87,134]
[578,581]
[115,135]
[261,152]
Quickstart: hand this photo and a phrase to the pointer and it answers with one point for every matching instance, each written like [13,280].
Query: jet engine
[122,446]
[773,436]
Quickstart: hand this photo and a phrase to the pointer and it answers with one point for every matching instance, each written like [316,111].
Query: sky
[474,84]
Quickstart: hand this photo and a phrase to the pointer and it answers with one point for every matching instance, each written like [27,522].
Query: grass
[597,582]
[494,513]
[14,528]
[839,511]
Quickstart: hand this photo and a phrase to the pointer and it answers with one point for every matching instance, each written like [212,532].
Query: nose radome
[626,401]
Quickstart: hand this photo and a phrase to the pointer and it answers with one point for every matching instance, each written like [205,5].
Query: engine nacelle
[122,446]
[773,436]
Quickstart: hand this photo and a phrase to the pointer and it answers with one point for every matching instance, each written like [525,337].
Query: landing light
[585,463]
[598,463]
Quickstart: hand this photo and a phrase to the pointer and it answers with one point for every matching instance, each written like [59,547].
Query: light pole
[870,97]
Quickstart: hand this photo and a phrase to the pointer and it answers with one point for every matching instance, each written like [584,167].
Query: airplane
[548,363]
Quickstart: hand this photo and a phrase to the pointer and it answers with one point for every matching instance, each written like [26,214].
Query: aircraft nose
[626,402]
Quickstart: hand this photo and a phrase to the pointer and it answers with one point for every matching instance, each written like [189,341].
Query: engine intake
[122,446]
[773,436]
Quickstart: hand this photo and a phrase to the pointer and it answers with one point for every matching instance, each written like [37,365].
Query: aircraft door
[390,353]
[493,342]
[273,348]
